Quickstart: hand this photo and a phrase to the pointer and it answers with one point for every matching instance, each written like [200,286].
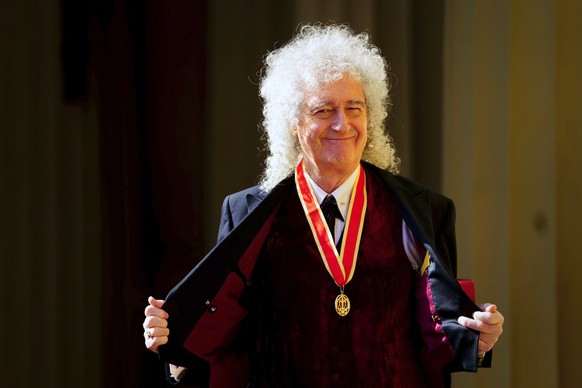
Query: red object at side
[469,287]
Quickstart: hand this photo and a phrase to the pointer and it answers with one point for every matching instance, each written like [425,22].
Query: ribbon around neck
[340,265]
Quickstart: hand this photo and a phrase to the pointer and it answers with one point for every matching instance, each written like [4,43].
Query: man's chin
[345,164]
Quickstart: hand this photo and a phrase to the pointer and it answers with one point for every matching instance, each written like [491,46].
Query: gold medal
[340,265]
[342,304]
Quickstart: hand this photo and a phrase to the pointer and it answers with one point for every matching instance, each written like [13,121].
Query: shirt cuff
[177,372]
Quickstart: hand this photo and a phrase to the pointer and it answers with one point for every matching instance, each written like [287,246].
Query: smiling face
[332,128]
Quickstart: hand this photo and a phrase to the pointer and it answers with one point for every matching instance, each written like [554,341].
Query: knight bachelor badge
[342,304]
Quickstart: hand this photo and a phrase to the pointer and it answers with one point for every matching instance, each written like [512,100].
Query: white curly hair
[321,54]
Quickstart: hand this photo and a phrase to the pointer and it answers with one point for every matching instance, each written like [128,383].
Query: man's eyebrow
[320,104]
[357,102]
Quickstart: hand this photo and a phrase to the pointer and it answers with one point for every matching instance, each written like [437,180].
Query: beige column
[568,160]
[475,156]
[511,166]
[532,194]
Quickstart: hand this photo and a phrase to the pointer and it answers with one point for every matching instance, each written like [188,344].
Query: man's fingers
[155,332]
[152,321]
[155,324]
[489,307]
[155,308]
[152,343]
[469,323]
[155,312]
[482,325]
[156,302]
[489,317]
[489,324]
[162,340]
[485,317]
[474,324]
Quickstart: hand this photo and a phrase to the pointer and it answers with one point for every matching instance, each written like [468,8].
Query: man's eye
[323,112]
[354,110]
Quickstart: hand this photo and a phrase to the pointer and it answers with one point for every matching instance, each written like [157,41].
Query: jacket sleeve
[450,301]
[445,240]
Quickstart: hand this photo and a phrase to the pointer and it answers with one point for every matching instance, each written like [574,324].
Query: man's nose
[341,122]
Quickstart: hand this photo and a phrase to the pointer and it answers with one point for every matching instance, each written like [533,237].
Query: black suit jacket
[245,222]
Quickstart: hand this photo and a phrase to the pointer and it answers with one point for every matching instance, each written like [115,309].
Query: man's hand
[155,325]
[488,322]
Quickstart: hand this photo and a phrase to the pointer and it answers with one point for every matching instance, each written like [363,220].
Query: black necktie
[330,212]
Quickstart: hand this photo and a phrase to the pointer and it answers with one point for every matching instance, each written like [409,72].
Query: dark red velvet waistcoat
[296,337]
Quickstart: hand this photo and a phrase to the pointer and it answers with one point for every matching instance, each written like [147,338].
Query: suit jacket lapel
[413,203]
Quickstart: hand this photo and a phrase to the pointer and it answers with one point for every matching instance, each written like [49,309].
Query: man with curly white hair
[334,270]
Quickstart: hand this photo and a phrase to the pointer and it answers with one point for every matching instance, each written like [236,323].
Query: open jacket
[205,310]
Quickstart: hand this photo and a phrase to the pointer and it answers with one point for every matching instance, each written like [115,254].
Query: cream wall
[512,126]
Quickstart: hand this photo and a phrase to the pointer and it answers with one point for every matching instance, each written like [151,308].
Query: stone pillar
[512,164]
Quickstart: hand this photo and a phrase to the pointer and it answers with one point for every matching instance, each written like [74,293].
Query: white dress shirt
[342,196]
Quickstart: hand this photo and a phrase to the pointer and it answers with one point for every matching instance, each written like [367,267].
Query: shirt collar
[342,194]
